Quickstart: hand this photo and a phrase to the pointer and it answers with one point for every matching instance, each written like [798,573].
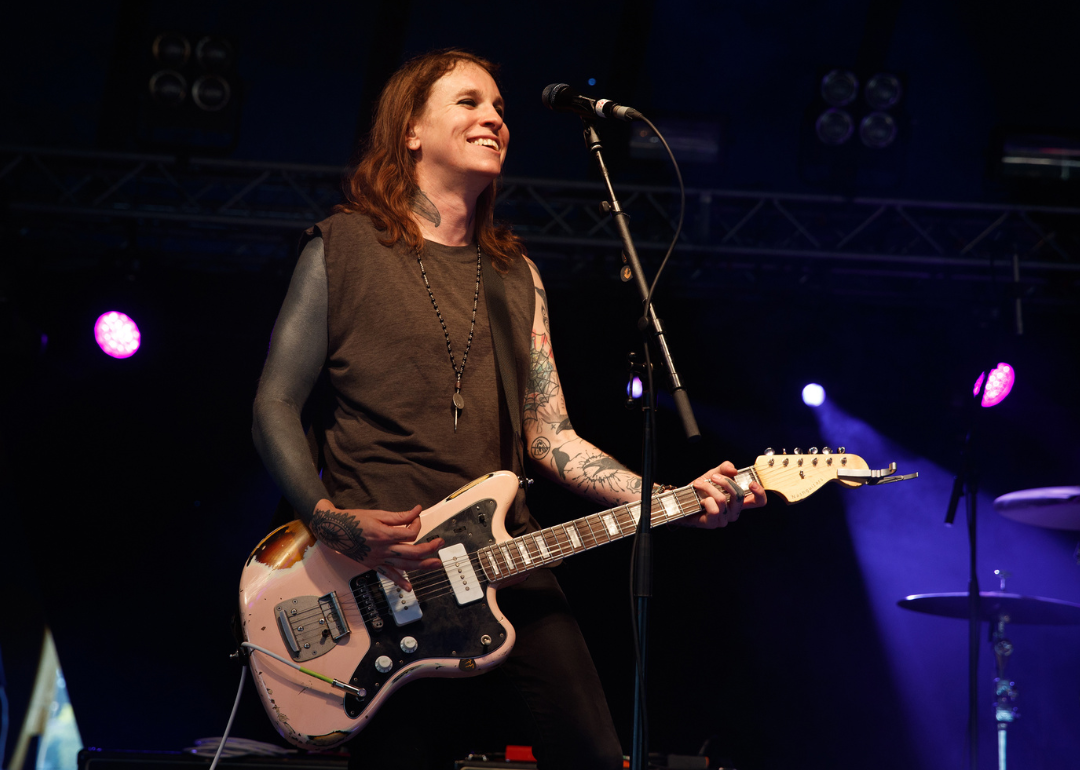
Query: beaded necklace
[458,401]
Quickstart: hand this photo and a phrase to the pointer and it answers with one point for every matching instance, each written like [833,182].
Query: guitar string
[439,585]
[591,539]
[563,547]
[566,546]
[424,589]
[588,540]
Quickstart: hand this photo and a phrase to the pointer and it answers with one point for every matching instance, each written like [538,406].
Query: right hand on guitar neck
[380,540]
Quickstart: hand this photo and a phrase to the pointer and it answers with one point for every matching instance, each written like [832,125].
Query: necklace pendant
[459,404]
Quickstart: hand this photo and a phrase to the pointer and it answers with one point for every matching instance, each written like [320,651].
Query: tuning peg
[783,451]
[769,452]
[826,451]
[813,450]
[840,450]
[798,451]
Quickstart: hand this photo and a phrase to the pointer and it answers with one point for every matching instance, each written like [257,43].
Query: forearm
[279,439]
[583,468]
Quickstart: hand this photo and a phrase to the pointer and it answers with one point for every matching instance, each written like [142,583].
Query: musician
[384,336]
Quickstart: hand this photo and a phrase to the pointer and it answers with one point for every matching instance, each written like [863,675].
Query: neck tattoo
[424,207]
[458,402]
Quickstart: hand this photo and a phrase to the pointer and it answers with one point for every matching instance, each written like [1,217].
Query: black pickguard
[446,630]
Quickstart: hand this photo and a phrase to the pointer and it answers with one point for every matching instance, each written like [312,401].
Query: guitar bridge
[311,626]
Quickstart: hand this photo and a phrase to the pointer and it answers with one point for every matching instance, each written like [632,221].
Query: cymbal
[1029,610]
[1052,507]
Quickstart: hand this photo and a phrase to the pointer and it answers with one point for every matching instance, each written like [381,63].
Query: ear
[412,141]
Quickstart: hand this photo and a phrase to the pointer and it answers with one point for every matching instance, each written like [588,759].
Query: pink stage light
[117,334]
[978,384]
[999,384]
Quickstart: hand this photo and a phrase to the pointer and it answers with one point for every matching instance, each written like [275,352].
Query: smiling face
[460,139]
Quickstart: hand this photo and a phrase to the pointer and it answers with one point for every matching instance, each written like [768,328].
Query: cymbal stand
[1005,692]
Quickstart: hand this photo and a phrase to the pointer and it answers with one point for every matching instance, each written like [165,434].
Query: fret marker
[612,527]
[524,553]
[571,532]
[671,506]
[494,565]
[539,538]
[506,555]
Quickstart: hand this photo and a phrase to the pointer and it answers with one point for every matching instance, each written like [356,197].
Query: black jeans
[547,695]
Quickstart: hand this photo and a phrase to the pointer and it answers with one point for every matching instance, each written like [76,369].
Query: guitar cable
[232,716]
[329,680]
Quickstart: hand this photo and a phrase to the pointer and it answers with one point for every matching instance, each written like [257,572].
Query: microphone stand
[642,554]
[966,484]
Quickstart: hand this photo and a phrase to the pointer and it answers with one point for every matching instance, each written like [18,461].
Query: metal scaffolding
[217,214]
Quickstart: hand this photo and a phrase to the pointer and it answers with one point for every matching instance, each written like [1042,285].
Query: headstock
[796,476]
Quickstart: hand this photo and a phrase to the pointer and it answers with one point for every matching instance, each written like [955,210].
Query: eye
[470,102]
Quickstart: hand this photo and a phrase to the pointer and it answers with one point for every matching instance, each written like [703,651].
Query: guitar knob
[798,451]
[383,664]
[409,644]
[826,451]
[769,452]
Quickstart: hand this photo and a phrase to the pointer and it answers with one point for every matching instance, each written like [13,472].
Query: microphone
[562,98]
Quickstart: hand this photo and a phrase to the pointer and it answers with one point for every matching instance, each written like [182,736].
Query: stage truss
[67,209]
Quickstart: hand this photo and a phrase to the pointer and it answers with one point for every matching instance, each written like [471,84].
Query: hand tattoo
[340,532]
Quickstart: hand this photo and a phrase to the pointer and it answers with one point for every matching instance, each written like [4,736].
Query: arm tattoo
[340,532]
[423,206]
[543,385]
[540,448]
[544,309]
[593,472]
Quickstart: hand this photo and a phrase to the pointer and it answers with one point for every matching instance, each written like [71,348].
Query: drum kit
[1050,507]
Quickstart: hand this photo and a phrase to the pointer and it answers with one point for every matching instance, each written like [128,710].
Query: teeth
[486,142]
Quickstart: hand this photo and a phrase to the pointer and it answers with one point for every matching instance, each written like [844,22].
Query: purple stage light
[813,395]
[117,334]
[634,388]
[978,384]
[998,384]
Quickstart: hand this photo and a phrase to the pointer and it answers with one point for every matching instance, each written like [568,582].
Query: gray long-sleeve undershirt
[297,354]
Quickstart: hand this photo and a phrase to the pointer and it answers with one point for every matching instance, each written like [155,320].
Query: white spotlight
[813,395]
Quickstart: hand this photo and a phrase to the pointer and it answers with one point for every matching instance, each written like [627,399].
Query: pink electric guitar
[330,640]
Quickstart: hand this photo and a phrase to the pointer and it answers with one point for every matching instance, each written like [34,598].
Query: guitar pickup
[458,566]
[403,604]
[869,477]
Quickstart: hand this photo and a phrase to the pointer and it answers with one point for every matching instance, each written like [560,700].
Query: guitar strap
[499,320]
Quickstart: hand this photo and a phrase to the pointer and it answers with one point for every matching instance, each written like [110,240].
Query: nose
[491,118]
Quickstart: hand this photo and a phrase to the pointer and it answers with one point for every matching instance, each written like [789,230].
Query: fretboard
[539,549]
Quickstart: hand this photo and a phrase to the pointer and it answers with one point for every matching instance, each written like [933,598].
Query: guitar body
[331,615]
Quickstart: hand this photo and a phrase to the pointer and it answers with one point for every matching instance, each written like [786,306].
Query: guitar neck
[539,549]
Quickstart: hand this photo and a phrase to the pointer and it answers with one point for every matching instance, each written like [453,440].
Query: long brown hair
[383,183]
